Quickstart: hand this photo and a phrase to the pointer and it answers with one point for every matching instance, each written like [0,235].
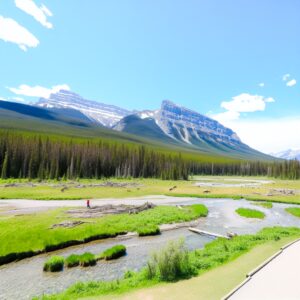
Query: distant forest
[36,156]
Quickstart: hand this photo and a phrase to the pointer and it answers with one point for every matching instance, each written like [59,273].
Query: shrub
[72,261]
[54,264]
[171,263]
[87,259]
[250,213]
[113,252]
[150,230]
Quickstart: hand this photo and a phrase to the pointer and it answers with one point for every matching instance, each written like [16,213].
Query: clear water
[25,279]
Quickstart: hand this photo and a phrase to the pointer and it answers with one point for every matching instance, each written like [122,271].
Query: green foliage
[250,213]
[87,259]
[295,211]
[263,204]
[199,209]
[148,230]
[113,252]
[72,261]
[171,263]
[54,264]
[84,260]
[214,254]
[32,231]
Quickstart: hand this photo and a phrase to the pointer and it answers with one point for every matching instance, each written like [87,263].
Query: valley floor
[251,188]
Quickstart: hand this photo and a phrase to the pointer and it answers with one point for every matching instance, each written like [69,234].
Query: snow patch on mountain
[105,114]
[288,154]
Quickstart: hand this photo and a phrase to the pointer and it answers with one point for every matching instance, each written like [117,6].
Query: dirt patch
[285,192]
[67,224]
[109,209]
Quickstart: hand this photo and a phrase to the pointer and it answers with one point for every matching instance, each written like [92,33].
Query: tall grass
[113,252]
[54,264]
[171,263]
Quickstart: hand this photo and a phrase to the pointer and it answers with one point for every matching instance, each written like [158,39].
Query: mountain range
[170,126]
[288,154]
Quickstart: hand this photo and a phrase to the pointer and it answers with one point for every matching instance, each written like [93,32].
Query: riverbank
[214,255]
[32,234]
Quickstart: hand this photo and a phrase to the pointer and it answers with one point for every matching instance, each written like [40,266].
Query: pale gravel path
[278,280]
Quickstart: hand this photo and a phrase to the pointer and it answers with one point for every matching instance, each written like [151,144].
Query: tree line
[36,156]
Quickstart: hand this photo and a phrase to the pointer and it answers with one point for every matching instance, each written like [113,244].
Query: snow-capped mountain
[288,154]
[105,114]
[185,125]
[176,124]
[171,124]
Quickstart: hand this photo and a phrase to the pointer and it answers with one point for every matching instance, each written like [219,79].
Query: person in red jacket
[88,203]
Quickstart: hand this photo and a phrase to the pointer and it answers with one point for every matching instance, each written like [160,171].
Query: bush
[150,230]
[72,261]
[171,263]
[87,259]
[113,252]
[54,264]
[250,213]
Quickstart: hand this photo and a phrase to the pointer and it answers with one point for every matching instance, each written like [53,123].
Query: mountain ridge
[171,125]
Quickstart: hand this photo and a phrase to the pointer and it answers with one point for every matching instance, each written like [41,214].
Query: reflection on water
[24,279]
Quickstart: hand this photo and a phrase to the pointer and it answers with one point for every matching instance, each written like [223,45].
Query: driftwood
[109,209]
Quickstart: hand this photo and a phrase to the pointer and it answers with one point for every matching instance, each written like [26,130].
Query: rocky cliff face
[105,114]
[188,126]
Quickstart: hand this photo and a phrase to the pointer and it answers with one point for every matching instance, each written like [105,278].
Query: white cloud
[11,31]
[243,103]
[291,82]
[37,91]
[2,98]
[285,77]
[268,135]
[262,84]
[246,103]
[40,14]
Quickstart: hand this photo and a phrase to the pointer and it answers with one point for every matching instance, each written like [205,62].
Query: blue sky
[226,59]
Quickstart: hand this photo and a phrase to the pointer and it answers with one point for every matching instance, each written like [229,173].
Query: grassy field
[34,233]
[250,213]
[212,285]
[273,191]
[295,211]
[215,254]
[263,204]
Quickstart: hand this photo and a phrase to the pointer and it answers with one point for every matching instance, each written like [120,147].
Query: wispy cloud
[285,77]
[11,31]
[37,91]
[291,82]
[262,84]
[40,14]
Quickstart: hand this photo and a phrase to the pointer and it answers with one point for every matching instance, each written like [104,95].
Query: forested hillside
[34,155]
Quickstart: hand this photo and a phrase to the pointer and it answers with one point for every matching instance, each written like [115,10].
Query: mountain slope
[188,129]
[106,115]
